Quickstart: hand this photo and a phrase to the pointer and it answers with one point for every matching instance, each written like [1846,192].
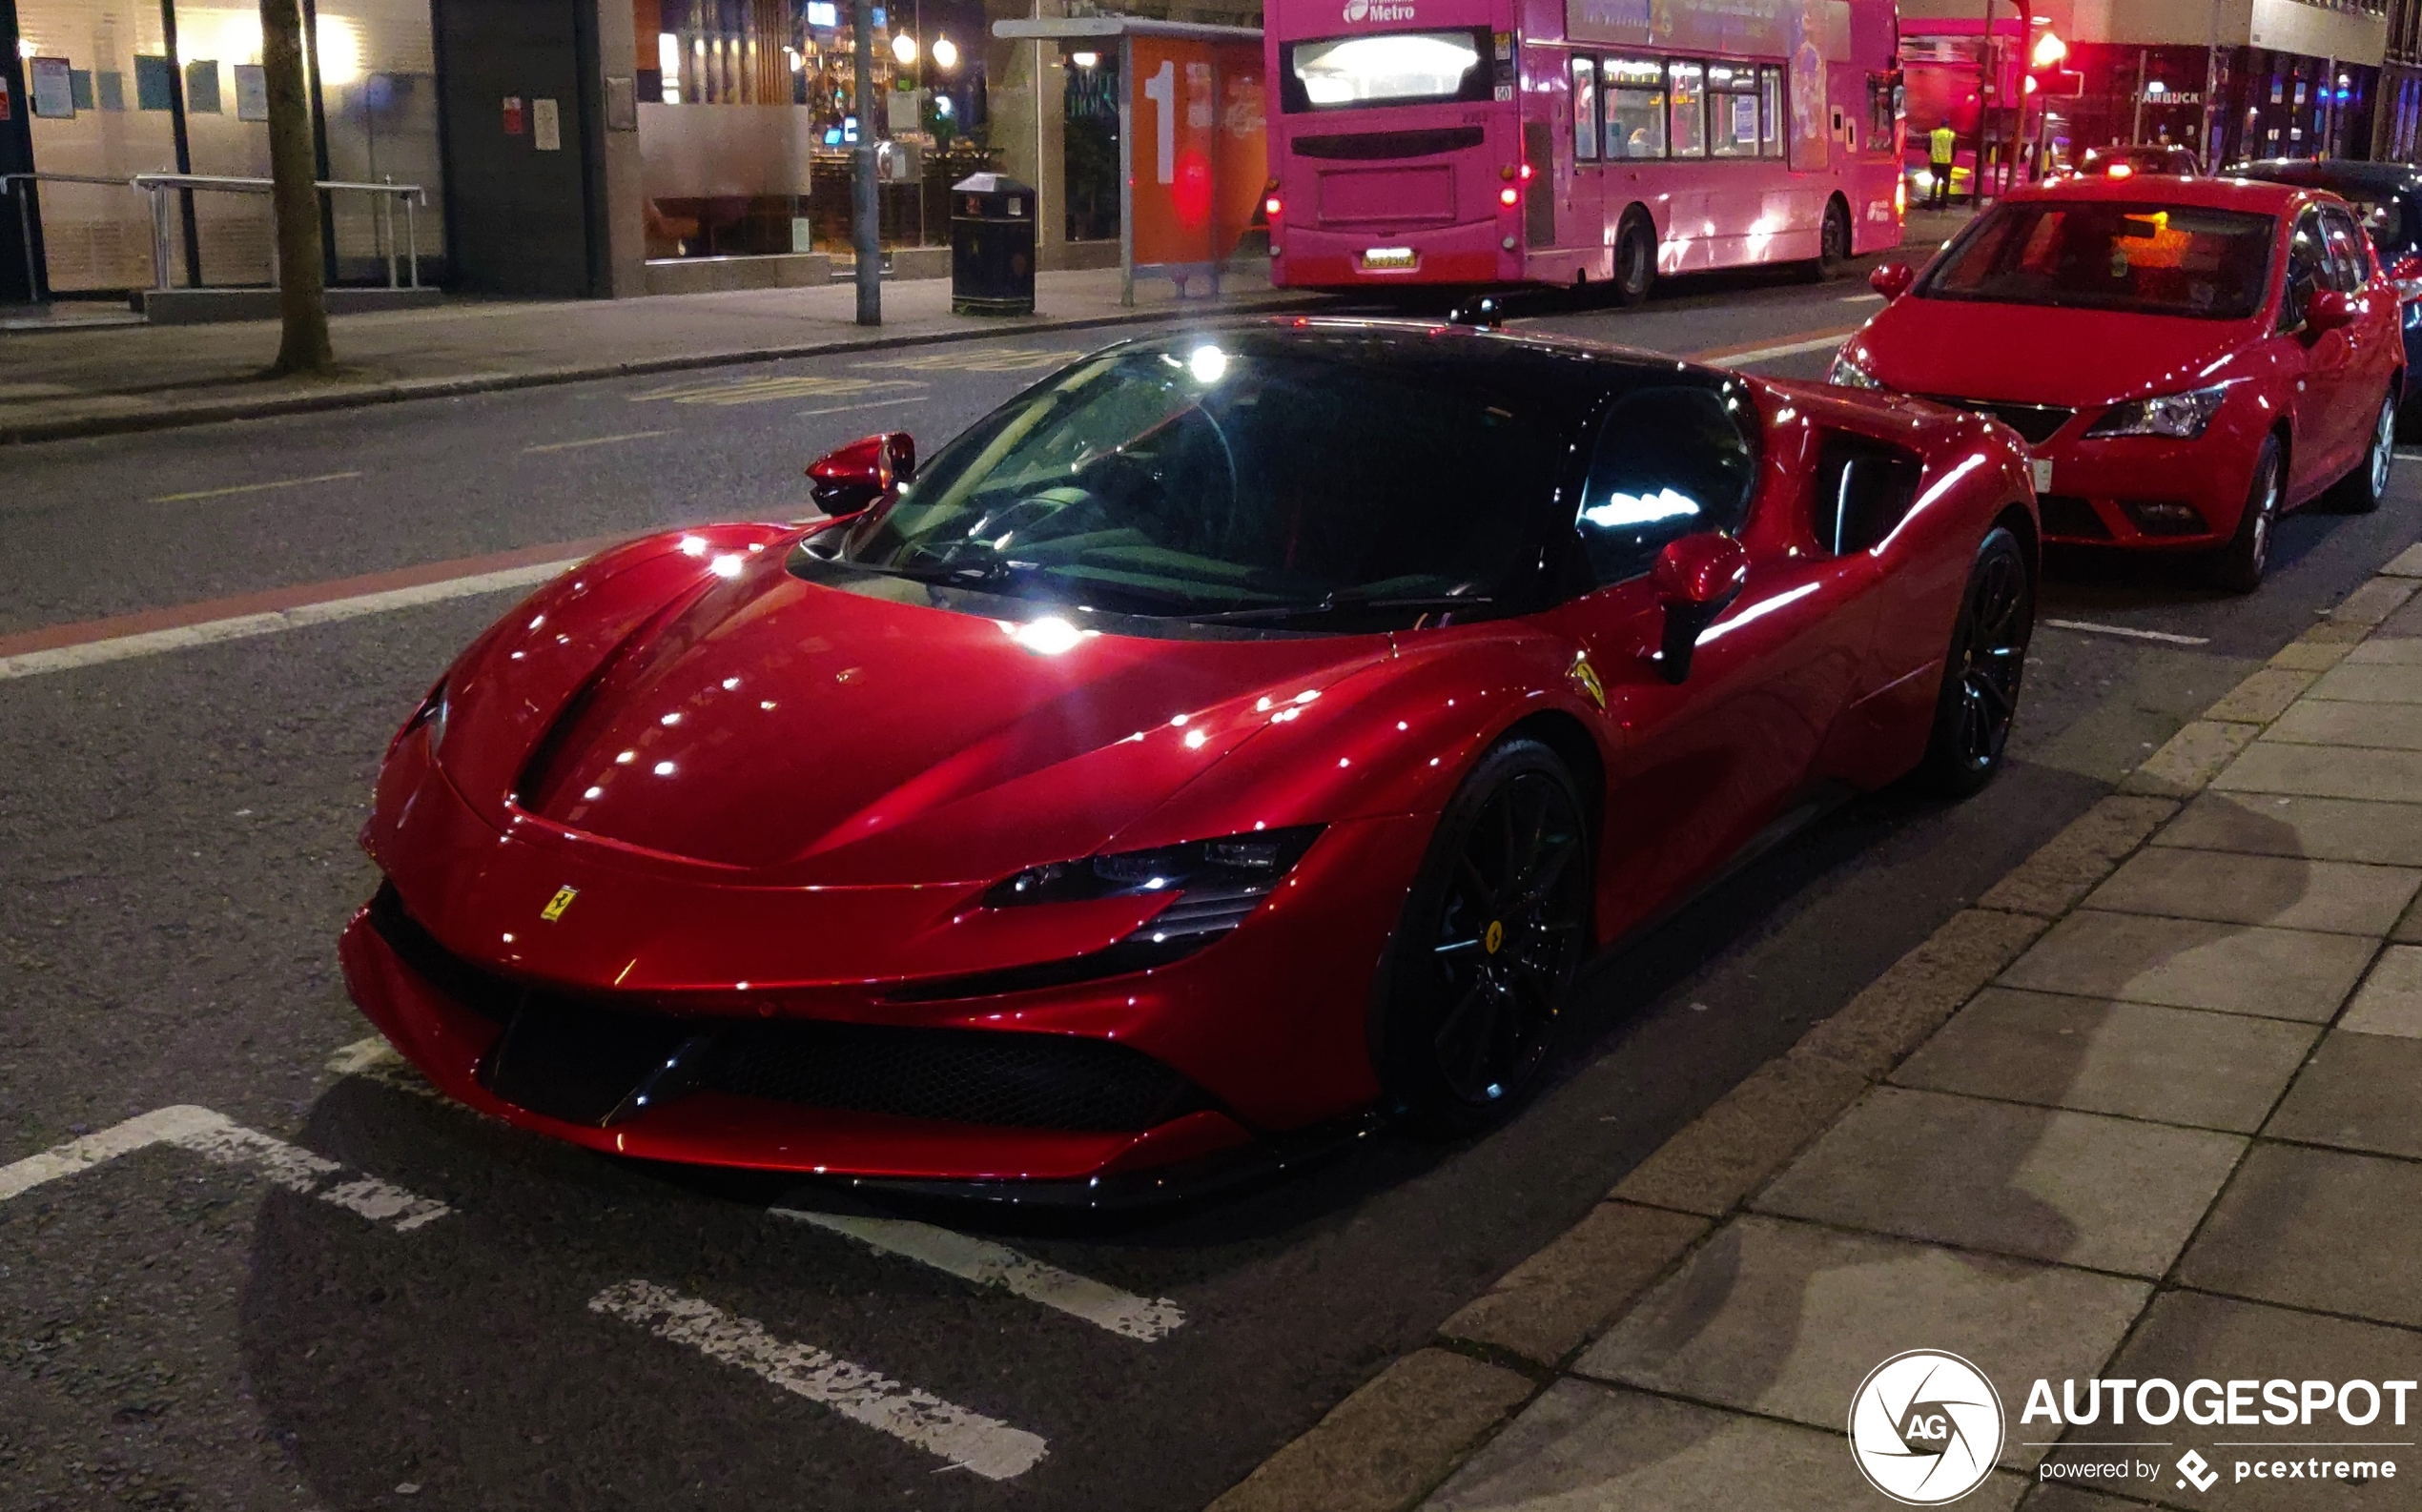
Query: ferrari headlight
[1239,865]
[2181,416]
[1847,373]
[429,716]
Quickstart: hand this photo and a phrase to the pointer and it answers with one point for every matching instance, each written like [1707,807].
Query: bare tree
[302,302]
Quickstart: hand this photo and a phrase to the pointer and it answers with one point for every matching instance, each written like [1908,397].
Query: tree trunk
[302,302]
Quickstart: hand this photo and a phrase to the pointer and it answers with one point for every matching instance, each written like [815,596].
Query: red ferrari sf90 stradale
[1232,734]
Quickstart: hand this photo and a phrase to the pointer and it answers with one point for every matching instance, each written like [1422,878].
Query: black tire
[1635,260]
[1833,243]
[2361,490]
[1982,670]
[2238,566]
[1497,919]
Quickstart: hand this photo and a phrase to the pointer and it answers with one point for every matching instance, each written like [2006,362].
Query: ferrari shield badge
[1586,676]
[556,905]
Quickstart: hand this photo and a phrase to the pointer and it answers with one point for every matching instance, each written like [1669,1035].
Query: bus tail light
[1525,173]
[1270,207]
[1510,197]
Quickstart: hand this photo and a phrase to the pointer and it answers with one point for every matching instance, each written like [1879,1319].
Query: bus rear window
[1390,67]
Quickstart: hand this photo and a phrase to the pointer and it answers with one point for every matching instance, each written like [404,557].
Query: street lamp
[945,54]
[904,49]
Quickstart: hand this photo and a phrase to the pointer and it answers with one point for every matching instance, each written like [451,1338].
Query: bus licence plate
[1384,258]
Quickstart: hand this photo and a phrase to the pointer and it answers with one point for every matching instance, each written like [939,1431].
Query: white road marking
[248,488]
[2089,628]
[595,440]
[373,1059]
[991,1448]
[1862,298]
[875,405]
[214,1136]
[151,643]
[990,1264]
[1004,360]
[774,386]
[1768,353]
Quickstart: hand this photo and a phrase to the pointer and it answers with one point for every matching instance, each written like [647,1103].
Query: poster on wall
[252,92]
[52,85]
[547,125]
[1195,108]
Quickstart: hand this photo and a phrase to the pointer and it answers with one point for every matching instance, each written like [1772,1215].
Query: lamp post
[865,234]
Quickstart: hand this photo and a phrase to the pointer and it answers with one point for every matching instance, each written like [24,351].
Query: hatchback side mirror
[1694,577]
[845,481]
[2329,310]
[1892,280]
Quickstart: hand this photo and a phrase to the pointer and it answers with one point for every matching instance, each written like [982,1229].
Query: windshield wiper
[1336,602]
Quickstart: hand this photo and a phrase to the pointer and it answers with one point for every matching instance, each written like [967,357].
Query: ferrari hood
[2038,355]
[811,734]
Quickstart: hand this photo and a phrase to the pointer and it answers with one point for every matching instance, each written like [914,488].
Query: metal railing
[160,186]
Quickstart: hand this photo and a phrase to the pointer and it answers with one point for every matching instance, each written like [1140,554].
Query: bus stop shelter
[1192,159]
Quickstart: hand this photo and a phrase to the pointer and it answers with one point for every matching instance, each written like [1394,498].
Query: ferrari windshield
[2103,255]
[1243,478]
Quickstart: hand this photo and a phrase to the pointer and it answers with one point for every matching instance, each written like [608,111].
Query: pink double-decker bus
[1571,141]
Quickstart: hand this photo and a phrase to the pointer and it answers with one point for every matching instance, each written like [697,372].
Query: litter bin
[992,246]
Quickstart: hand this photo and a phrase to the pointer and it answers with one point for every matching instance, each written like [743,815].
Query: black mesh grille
[1369,146]
[1022,1081]
[2069,518]
[2036,424]
[579,1060]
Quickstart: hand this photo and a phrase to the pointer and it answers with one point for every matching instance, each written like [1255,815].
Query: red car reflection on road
[2188,358]
[1231,734]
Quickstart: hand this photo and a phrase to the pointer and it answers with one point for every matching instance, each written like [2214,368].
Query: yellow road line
[248,488]
[595,440]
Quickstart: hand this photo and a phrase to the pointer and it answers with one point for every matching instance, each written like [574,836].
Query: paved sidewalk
[93,380]
[2151,1108]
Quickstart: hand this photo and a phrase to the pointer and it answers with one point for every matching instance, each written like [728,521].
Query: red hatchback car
[1226,735]
[2186,358]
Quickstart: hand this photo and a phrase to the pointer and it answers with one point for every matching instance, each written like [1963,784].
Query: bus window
[1685,85]
[1770,114]
[1584,108]
[1635,108]
[1731,110]
[1395,67]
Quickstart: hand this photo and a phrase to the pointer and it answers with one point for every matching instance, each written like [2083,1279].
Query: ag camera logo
[1926,1427]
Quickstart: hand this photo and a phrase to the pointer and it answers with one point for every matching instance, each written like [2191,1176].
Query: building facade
[565,147]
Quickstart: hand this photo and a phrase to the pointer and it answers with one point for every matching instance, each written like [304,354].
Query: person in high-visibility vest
[1940,144]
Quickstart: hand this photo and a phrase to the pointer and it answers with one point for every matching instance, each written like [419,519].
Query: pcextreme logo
[1926,1427]
[1378,10]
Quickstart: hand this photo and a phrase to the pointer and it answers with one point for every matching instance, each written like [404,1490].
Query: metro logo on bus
[1378,10]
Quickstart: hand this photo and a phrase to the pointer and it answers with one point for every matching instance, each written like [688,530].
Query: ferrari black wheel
[1987,661]
[1497,919]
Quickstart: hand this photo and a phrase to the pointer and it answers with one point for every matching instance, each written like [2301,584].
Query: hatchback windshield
[1242,478]
[2102,254]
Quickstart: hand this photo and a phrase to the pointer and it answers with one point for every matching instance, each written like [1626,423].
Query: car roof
[2259,196]
[2330,173]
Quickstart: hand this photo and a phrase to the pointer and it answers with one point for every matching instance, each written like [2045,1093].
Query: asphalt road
[214,1320]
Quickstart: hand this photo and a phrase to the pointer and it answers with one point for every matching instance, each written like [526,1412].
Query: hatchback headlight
[1847,373]
[2180,415]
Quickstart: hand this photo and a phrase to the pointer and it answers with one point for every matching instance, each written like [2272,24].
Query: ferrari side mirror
[2329,310]
[1694,577]
[1891,279]
[845,481]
